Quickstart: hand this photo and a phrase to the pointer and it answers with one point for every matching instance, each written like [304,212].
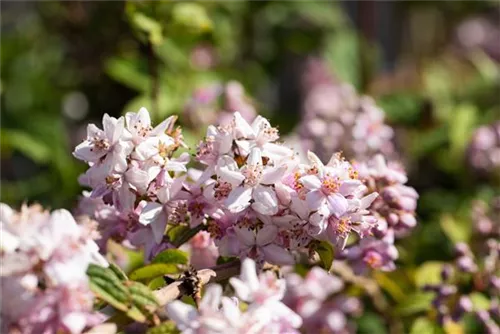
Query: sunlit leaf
[456,230]
[326,254]
[153,270]
[174,256]
[428,273]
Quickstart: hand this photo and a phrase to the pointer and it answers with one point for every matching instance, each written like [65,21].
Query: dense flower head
[216,103]
[269,203]
[44,261]
[336,119]
[134,178]
[484,149]
[220,314]
[319,300]
[396,205]
[486,218]
[254,196]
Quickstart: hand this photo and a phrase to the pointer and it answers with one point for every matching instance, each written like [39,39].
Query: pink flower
[261,245]
[251,184]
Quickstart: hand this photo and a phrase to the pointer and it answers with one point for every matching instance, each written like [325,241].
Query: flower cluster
[318,300]
[394,210]
[451,301]
[135,179]
[336,119]
[254,195]
[215,104]
[486,219]
[44,261]
[263,203]
[484,149]
[217,314]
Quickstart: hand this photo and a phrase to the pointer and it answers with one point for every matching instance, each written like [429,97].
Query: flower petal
[277,255]
[239,199]
[265,200]
[266,235]
[338,204]
[311,182]
[315,199]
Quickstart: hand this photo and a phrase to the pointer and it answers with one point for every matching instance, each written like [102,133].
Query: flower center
[252,175]
[100,143]
[373,259]
[330,184]
[222,190]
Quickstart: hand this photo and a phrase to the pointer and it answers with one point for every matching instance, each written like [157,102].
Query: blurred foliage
[66,63]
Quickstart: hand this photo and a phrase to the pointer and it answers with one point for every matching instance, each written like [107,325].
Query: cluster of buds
[336,119]
[44,261]
[486,219]
[394,210]
[220,314]
[262,202]
[215,104]
[484,149]
[450,302]
[134,178]
[319,300]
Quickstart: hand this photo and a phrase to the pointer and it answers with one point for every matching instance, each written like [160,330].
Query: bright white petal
[239,199]
[184,315]
[150,213]
[265,200]
[272,175]
[311,182]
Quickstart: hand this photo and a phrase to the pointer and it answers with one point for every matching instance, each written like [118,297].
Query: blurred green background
[432,66]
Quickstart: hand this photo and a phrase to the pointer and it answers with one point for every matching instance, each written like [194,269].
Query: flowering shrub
[249,202]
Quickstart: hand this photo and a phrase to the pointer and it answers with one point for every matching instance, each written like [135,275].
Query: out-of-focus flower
[216,103]
[319,300]
[336,119]
[483,152]
[216,314]
[44,261]
[203,57]
[395,207]
[486,219]
[203,252]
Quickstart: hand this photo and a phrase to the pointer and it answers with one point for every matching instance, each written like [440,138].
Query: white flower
[252,182]
[112,144]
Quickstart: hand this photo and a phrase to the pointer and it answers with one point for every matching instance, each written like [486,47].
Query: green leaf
[479,301]
[127,72]
[423,325]
[117,271]
[180,234]
[149,26]
[326,253]
[414,303]
[156,283]
[153,270]
[428,273]
[171,256]
[25,143]
[456,230]
[462,125]
[371,323]
[167,327]
[191,17]
[107,286]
